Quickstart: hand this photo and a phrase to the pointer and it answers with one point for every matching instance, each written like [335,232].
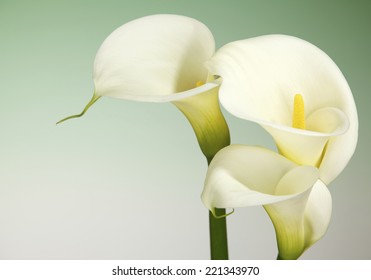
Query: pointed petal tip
[91,102]
[68,118]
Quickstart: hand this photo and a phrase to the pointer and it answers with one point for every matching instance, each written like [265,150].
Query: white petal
[298,204]
[161,58]
[260,78]
[240,176]
[153,56]
[307,147]
[317,213]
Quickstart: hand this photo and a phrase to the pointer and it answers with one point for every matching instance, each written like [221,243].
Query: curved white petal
[160,58]
[153,56]
[240,176]
[308,146]
[298,204]
[317,213]
[260,78]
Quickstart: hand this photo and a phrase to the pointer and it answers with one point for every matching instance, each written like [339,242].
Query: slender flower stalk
[218,234]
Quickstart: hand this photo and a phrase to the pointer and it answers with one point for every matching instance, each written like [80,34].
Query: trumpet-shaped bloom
[261,77]
[298,204]
[160,58]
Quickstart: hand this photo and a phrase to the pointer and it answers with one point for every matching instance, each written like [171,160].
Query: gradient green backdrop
[125,181]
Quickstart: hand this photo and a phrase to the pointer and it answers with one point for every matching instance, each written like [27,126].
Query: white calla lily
[160,58]
[298,204]
[153,57]
[261,77]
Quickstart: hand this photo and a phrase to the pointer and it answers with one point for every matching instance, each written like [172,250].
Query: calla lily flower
[294,91]
[160,58]
[298,203]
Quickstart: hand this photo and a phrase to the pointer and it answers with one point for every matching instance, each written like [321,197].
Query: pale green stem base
[218,236]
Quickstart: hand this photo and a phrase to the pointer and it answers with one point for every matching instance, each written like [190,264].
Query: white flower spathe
[152,58]
[160,58]
[298,203]
[261,77]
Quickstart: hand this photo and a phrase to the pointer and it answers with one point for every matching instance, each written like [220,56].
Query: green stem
[218,235]
[212,132]
[218,226]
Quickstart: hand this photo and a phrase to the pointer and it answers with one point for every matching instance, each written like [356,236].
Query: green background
[124,181]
